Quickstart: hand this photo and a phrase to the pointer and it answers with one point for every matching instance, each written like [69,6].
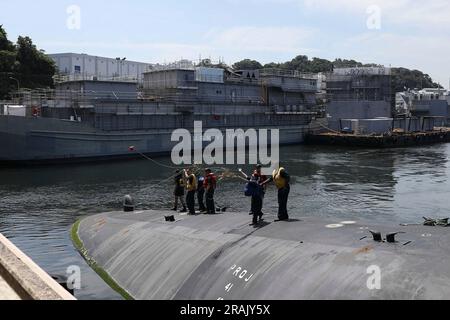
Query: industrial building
[74,66]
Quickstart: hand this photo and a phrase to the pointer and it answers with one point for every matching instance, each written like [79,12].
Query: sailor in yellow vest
[282,181]
[191,187]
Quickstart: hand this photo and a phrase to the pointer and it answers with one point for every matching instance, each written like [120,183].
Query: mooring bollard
[128,204]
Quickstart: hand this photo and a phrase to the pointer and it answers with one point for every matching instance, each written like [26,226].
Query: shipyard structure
[363,111]
[90,119]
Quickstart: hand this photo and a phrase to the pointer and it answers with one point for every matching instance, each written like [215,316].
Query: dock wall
[23,279]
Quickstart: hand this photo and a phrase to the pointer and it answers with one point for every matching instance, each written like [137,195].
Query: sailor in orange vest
[282,181]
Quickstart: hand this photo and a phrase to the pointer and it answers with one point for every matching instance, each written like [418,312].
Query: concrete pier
[22,279]
[396,140]
[222,257]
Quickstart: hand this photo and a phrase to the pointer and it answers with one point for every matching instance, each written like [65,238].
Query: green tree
[273,65]
[411,79]
[343,63]
[24,62]
[7,64]
[318,65]
[5,44]
[247,64]
[35,68]
[299,63]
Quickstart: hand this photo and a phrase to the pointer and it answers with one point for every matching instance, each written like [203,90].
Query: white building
[75,66]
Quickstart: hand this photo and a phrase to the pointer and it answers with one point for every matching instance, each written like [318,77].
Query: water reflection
[38,205]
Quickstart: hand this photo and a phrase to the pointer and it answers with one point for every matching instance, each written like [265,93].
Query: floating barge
[392,140]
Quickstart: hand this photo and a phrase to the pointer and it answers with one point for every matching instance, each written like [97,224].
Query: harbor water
[38,205]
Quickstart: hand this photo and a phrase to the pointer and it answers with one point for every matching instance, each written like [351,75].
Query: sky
[399,33]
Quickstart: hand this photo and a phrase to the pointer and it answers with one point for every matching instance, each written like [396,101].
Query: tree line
[401,77]
[23,65]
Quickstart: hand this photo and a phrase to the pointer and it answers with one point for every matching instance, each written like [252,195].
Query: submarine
[153,255]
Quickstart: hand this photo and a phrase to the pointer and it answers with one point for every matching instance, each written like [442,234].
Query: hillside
[401,77]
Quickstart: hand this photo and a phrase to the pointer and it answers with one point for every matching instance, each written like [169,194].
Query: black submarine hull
[221,257]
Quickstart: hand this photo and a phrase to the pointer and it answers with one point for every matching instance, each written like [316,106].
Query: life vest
[179,186]
[36,111]
[210,181]
[258,177]
[179,181]
[191,183]
[280,182]
[200,184]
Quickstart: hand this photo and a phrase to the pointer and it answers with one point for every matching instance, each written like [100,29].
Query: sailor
[201,194]
[258,195]
[282,181]
[210,185]
[191,187]
[179,191]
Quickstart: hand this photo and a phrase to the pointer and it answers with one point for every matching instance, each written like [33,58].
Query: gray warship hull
[87,120]
[46,140]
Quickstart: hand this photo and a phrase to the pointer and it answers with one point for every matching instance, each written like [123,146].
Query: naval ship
[89,119]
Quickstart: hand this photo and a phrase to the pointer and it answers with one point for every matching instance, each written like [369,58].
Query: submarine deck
[211,257]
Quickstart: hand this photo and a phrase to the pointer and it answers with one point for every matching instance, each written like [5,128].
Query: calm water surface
[38,205]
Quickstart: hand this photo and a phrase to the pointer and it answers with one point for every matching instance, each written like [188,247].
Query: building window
[77,69]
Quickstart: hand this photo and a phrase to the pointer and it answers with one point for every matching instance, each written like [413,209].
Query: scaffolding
[359,87]
[61,78]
